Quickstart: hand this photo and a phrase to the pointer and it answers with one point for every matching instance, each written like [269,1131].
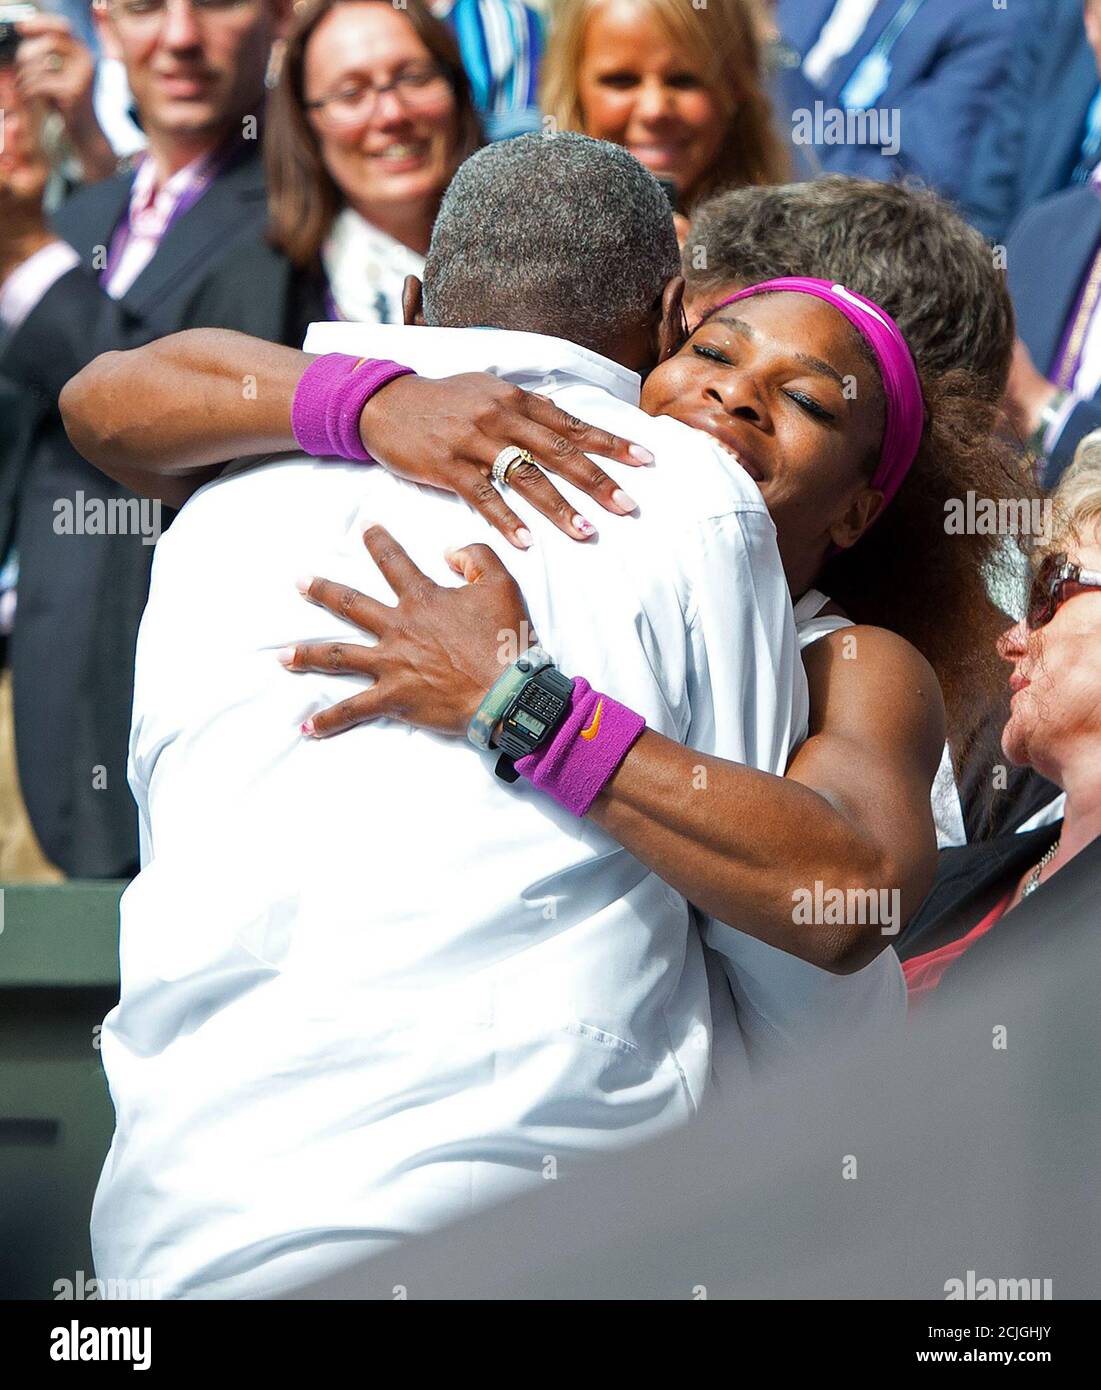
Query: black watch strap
[532,718]
[506,769]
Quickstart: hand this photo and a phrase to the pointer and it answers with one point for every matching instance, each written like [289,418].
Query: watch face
[527,721]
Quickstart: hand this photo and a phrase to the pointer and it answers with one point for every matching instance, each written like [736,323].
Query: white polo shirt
[367,987]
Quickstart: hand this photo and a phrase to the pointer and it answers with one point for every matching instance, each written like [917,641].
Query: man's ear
[671,329]
[412,301]
[105,30]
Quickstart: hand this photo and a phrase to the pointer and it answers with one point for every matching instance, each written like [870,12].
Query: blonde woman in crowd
[681,88]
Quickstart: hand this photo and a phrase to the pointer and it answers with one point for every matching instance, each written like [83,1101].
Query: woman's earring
[275,64]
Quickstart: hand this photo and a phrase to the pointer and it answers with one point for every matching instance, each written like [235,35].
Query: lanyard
[1091,144]
[872,74]
[1068,359]
[214,164]
[334,314]
[894,30]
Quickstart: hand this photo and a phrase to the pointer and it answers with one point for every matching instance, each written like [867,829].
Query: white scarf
[366,269]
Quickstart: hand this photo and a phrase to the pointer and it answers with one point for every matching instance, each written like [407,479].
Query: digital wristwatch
[532,718]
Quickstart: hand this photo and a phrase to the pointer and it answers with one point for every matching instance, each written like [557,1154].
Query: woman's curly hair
[930,581]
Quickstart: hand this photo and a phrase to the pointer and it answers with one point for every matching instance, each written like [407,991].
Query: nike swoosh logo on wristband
[594,728]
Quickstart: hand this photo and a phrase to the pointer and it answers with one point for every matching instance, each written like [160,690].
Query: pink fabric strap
[581,759]
[329,399]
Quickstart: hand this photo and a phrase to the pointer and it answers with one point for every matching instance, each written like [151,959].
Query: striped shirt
[501,42]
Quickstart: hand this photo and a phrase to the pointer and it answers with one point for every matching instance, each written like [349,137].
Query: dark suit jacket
[81,596]
[1031,142]
[947,70]
[1048,255]
[256,290]
[1062,915]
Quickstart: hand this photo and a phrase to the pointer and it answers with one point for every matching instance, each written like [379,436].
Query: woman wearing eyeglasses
[1054,726]
[370,117]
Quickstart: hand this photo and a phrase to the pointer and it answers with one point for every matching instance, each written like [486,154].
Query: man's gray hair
[557,234]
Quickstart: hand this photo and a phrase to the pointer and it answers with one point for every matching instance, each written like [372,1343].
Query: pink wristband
[329,399]
[583,756]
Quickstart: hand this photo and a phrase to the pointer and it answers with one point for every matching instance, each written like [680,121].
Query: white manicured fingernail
[642,455]
[285,655]
[302,583]
[624,500]
[524,537]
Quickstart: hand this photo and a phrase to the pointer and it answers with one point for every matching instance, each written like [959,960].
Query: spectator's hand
[447,433]
[54,67]
[1028,392]
[438,652]
[23,175]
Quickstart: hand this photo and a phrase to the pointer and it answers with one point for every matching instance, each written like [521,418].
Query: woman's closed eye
[806,403]
[712,354]
[811,406]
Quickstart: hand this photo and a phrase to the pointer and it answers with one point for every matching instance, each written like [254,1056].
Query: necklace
[1033,880]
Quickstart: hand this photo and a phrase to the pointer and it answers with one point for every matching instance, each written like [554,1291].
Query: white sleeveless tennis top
[811,624]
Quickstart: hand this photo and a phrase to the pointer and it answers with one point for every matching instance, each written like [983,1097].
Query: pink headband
[905,407]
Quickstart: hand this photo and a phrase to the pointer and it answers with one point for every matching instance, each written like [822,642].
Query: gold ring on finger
[506,461]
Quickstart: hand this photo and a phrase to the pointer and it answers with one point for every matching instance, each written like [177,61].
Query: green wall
[58,978]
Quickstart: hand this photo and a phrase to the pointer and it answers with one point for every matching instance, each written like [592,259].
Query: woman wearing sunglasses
[1054,726]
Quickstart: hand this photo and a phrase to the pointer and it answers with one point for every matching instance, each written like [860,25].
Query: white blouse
[366,269]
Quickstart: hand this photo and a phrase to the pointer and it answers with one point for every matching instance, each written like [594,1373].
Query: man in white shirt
[367,989]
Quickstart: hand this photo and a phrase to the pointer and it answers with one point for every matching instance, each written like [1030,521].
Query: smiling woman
[803,410]
[1054,726]
[369,118]
[807,430]
[372,112]
[679,85]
